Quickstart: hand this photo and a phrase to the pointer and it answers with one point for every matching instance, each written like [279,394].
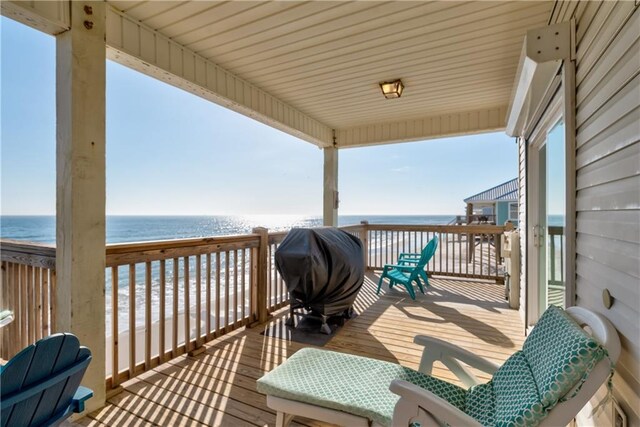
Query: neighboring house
[495,205]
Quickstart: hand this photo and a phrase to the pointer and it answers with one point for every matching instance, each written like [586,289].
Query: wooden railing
[167,298]
[28,280]
[175,296]
[277,295]
[556,284]
[463,250]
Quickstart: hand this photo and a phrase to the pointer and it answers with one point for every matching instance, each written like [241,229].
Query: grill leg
[291,321]
[325,328]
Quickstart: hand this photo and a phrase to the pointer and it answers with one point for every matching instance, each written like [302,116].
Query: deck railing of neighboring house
[175,295]
[474,219]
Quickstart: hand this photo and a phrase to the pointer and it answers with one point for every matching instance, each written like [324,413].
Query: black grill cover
[322,267]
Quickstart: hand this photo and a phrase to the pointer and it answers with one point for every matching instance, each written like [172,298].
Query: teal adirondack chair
[406,258]
[409,269]
[40,386]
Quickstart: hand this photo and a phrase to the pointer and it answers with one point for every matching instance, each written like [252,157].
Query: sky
[172,153]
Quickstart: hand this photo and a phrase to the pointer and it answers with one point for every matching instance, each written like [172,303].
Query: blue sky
[170,152]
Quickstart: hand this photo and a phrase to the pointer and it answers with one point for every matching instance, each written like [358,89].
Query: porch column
[330,198]
[80,187]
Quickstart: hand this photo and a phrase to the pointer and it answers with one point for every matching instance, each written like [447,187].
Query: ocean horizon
[136,228]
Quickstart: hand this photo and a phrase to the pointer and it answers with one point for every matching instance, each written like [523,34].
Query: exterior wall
[608,175]
[502,213]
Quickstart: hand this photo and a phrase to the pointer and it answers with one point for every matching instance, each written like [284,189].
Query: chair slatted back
[58,362]
[428,252]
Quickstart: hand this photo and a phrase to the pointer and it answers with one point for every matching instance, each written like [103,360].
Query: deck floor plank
[217,387]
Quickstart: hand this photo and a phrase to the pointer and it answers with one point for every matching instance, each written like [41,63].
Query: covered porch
[313,70]
[217,387]
[458,62]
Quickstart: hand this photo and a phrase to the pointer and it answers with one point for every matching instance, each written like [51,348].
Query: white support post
[330,199]
[80,187]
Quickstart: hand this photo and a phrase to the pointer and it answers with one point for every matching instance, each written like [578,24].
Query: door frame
[535,143]
[558,103]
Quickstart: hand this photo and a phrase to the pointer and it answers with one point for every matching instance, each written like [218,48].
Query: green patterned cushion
[560,355]
[516,393]
[481,403]
[353,384]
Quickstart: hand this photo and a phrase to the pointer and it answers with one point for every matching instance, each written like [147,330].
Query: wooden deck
[217,387]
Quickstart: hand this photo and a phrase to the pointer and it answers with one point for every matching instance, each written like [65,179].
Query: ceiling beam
[440,126]
[51,17]
[141,48]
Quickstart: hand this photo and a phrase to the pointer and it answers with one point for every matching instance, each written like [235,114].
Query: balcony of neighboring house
[496,205]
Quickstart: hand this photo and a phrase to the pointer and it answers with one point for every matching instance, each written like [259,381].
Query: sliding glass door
[547,213]
[553,219]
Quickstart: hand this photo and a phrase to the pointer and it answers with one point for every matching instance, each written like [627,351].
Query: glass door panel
[555,217]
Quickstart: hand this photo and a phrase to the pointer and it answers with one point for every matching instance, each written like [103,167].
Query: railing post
[260,284]
[365,243]
[508,226]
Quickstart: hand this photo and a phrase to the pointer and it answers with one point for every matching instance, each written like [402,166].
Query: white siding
[608,175]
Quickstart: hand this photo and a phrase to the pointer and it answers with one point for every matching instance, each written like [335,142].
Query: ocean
[121,229]
[145,228]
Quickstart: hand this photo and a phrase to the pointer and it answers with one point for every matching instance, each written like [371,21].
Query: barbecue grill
[323,269]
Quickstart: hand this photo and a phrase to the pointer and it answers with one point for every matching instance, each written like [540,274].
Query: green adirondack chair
[409,269]
[406,258]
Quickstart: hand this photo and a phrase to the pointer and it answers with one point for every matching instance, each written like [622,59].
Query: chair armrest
[399,267]
[449,355]
[6,317]
[82,394]
[413,397]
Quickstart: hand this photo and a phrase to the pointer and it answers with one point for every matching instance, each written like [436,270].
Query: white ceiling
[325,58]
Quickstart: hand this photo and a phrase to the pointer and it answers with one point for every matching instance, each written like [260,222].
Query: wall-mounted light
[392,89]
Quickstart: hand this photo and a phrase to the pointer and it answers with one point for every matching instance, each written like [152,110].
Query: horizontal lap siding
[608,175]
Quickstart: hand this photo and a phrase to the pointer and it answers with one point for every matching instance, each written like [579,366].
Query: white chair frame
[417,404]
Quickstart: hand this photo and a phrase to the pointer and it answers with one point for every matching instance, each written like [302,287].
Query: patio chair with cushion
[40,386]
[558,370]
[409,269]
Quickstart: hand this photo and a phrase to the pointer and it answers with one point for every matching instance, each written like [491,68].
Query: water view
[122,229]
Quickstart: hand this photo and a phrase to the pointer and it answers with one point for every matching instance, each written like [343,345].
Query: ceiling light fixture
[392,89]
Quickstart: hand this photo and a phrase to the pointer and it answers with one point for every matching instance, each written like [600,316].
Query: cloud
[402,169]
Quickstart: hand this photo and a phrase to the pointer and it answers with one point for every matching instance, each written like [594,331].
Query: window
[513,211]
